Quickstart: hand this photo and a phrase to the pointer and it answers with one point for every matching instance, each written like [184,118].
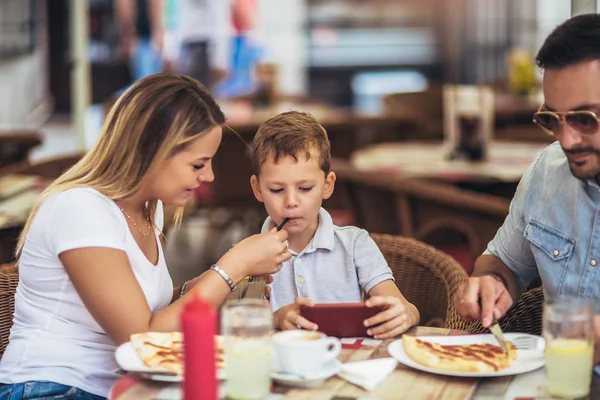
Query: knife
[497,331]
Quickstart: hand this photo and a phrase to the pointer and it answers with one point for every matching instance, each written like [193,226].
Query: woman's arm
[107,286]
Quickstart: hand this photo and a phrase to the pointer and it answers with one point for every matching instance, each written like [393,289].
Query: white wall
[280,29]
[551,13]
[583,6]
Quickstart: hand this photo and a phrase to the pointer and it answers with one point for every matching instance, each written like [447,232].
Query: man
[141,34]
[553,227]
[203,33]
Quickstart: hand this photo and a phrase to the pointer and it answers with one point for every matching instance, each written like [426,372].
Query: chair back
[425,106]
[427,277]
[524,317]
[9,279]
[431,211]
[15,146]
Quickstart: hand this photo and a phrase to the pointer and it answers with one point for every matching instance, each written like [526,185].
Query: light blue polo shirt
[333,268]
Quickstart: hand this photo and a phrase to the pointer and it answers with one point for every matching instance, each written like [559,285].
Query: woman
[92,270]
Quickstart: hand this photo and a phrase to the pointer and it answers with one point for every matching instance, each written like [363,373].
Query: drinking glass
[247,325]
[569,334]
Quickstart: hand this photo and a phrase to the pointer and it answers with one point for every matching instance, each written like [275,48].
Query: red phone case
[340,319]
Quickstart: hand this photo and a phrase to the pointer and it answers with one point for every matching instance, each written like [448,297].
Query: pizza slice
[163,351]
[480,357]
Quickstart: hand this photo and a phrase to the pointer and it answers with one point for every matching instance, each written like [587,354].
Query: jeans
[44,390]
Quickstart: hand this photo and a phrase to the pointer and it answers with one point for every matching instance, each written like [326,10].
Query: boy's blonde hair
[291,134]
[156,118]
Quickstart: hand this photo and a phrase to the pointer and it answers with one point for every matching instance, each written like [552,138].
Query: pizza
[480,357]
[163,351]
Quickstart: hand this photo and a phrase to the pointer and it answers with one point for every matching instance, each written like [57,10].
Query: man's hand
[483,297]
[288,317]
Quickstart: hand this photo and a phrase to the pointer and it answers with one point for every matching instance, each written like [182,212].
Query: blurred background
[398,84]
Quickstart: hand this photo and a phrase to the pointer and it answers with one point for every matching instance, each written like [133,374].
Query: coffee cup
[303,352]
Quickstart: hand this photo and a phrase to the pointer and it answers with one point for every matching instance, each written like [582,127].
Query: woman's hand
[257,255]
[288,317]
[395,318]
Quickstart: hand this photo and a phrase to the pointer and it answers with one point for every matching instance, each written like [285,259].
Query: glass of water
[569,334]
[247,325]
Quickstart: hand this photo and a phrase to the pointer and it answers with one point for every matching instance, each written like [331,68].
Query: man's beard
[593,174]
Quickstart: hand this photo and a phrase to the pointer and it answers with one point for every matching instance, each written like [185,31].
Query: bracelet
[182,290]
[225,276]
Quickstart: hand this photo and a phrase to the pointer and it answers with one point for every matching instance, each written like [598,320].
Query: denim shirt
[553,230]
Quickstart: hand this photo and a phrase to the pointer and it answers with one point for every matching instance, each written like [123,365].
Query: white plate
[527,360]
[128,360]
[328,370]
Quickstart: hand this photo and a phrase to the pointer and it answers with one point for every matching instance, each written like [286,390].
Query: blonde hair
[289,134]
[157,117]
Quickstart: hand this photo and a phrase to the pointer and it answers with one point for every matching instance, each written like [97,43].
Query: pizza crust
[482,357]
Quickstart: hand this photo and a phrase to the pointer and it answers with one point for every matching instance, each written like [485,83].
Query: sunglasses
[586,122]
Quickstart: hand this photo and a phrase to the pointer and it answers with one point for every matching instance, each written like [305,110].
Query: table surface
[507,161]
[402,384]
[18,194]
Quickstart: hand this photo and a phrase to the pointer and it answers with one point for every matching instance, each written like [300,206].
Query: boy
[329,264]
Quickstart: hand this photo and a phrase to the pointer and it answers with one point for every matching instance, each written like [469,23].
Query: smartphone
[340,319]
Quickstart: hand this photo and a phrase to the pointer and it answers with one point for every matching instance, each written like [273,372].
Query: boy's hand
[288,317]
[270,280]
[394,318]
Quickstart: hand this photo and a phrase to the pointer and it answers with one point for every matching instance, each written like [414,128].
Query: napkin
[368,374]
[528,385]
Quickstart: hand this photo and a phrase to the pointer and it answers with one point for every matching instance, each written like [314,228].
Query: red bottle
[198,323]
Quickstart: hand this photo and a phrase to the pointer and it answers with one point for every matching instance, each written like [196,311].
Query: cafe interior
[428,107]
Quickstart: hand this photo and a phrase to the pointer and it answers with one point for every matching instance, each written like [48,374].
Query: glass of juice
[569,334]
[247,325]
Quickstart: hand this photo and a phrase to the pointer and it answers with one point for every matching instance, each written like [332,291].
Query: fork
[526,342]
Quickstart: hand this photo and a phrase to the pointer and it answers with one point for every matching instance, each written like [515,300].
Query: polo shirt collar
[324,237]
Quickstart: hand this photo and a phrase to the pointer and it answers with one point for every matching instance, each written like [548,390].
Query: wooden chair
[524,317]
[427,277]
[15,146]
[9,278]
[426,107]
[419,208]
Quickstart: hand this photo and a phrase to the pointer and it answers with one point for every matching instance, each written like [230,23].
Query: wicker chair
[427,277]
[524,317]
[419,208]
[9,278]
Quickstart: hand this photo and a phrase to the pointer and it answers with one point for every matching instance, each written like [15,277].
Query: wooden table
[403,384]
[18,194]
[507,161]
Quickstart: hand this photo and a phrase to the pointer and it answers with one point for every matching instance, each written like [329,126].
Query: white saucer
[328,370]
